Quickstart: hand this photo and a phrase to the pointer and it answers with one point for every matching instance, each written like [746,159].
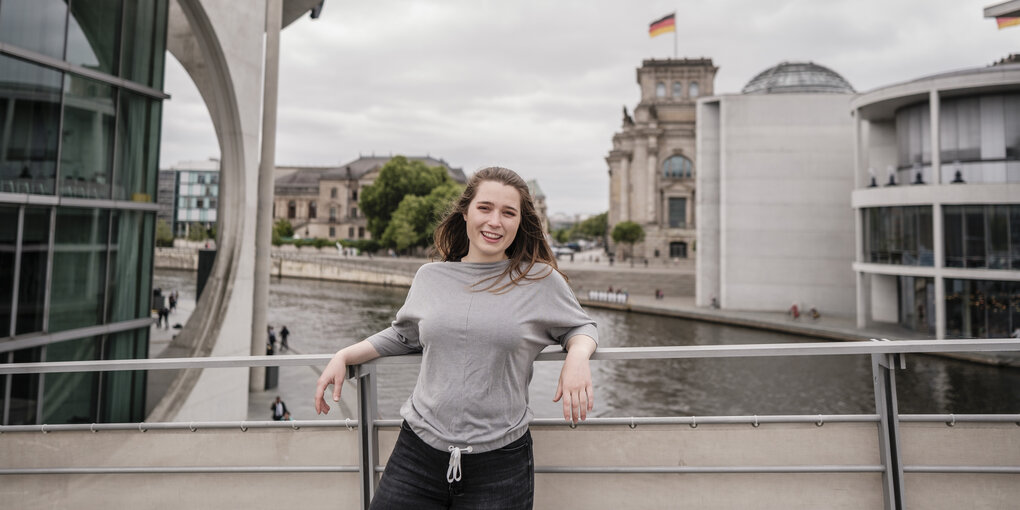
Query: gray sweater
[478,349]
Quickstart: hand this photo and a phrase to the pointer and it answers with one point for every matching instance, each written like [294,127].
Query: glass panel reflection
[93,31]
[79,268]
[87,153]
[8,249]
[141,58]
[130,265]
[71,397]
[29,123]
[138,144]
[35,249]
[123,399]
[23,406]
[36,25]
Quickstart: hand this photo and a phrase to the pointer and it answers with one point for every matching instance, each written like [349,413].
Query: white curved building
[937,203]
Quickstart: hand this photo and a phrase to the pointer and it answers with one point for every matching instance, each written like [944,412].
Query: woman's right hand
[336,371]
[334,374]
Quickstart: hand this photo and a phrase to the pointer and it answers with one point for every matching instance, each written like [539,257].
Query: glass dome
[798,77]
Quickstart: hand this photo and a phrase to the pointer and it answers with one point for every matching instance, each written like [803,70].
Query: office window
[28,132]
[86,153]
[71,397]
[34,25]
[79,268]
[93,34]
[677,212]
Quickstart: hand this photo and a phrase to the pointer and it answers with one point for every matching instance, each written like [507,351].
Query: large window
[677,212]
[913,135]
[86,153]
[917,303]
[898,235]
[982,308]
[986,236]
[677,167]
[30,113]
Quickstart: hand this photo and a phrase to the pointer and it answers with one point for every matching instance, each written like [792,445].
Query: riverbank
[590,272]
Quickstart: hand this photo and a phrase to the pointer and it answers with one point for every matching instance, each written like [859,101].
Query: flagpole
[674,36]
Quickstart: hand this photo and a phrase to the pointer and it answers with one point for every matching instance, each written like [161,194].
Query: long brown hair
[528,247]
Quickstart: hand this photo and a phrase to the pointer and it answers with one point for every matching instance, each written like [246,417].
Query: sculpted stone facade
[652,164]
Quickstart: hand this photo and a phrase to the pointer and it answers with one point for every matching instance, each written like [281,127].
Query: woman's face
[492,219]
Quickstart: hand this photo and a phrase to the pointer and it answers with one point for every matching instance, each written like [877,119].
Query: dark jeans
[415,477]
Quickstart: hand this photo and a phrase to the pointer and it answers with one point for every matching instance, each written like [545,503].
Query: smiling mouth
[490,235]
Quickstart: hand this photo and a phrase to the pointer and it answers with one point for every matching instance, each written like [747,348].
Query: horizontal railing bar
[554,354]
[708,469]
[963,469]
[691,420]
[192,426]
[957,418]
[177,470]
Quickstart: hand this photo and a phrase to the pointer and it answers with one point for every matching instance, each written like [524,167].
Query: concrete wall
[833,444]
[707,207]
[785,222]
[884,298]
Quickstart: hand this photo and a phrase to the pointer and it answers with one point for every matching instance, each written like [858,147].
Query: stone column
[938,239]
[653,164]
[625,188]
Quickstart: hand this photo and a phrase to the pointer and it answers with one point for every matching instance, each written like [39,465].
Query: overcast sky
[538,85]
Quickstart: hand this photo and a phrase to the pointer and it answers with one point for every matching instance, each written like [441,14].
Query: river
[324,316]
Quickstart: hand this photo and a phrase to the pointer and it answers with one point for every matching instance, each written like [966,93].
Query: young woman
[480,318]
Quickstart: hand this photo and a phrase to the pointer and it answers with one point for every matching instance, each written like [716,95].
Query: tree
[282,228]
[561,235]
[628,232]
[414,222]
[164,234]
[197,232]
[592,228]
[397,179]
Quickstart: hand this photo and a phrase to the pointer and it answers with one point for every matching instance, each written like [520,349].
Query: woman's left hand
[574,386]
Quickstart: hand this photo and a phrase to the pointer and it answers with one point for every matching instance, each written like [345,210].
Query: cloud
[537,86]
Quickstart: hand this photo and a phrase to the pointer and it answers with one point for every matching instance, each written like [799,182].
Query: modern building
[189,195]
[80,99]
[937,203]
[775,226]
[652,165]
[322,202]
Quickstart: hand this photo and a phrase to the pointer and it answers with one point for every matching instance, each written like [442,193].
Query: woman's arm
[575,379]
[336,371]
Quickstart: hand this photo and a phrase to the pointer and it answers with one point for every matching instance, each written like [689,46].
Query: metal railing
[887,357]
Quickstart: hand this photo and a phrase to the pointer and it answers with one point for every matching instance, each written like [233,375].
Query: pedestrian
[272,339]
[279,409]
[284,333]
[164,317]
[173,301]
[464,440]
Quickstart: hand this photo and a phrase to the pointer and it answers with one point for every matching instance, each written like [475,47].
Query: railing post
[882,367]
[368,446]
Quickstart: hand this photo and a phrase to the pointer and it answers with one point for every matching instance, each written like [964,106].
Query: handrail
[550,354]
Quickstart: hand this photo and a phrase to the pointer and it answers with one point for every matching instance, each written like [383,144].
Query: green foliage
[562,235]
[197,232]
[281,228]
[164,234]
[592,228]
[363,245]
[318,242]
[628,232]
[414,222]
[398,179]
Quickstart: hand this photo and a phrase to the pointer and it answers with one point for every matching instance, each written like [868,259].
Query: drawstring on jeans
[453,472]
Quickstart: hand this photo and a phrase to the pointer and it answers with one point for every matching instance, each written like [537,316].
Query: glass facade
[978,135]
[984,236]
[197,199]
[982,308]
[917,303]
[81,133]
[898,235]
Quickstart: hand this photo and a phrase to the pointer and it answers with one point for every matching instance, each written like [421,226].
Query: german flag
[1007,22]
[662,25]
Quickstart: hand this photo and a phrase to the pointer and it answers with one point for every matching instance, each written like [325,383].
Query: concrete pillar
[264,213]
[650,193]
[936,139]
[940,253]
